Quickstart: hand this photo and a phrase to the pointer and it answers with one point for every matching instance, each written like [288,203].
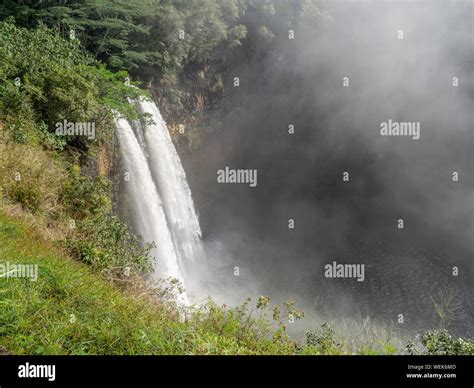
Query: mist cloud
[336,130]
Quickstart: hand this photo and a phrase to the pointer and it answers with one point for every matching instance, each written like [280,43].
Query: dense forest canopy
[182,50]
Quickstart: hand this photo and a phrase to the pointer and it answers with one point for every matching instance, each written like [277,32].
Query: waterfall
[172,184]
[158,195]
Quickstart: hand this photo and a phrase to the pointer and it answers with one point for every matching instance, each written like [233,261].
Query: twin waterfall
[158,195]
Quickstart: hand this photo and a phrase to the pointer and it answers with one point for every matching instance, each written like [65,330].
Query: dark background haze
[337,129]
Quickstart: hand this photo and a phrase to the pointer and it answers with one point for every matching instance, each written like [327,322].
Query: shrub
[106,243]
[324,341]
[85,196]
[440,342]
[258,329]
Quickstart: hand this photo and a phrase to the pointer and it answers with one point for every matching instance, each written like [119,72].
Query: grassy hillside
[71,310]
[68,310]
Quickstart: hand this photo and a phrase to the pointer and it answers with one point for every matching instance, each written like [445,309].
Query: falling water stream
[160,202]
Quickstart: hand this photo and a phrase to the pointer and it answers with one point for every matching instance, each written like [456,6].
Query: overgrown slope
[69,309]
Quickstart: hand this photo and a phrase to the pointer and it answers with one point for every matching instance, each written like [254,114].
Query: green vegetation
[42,87]
[41,170]
[184,51]
[71,310]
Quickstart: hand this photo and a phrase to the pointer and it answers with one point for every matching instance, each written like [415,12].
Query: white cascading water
[159,196]
[172,184]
